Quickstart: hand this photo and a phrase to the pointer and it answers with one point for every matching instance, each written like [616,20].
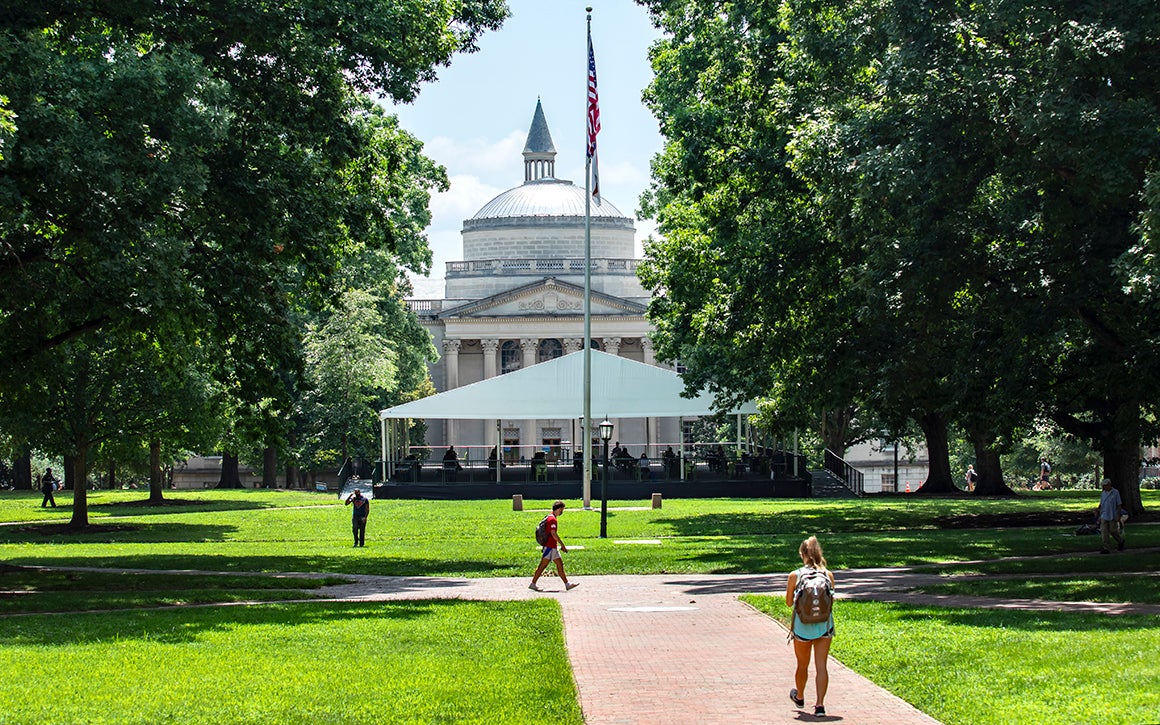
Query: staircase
[825,484]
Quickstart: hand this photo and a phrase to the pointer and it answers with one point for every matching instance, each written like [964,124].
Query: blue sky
[474,120]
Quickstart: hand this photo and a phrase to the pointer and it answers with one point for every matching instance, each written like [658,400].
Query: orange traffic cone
[908,486]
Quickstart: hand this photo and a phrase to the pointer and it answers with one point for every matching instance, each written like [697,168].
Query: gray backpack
[542,532]
[814,597]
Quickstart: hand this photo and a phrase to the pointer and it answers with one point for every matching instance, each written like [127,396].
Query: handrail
[849,475]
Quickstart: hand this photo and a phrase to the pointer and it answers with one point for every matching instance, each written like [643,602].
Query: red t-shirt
[553,542]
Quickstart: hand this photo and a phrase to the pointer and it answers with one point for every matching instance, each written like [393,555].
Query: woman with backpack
[810,592]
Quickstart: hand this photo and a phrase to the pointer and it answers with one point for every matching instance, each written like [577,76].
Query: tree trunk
[70,473]
[23,467]
[835,429]
[1122,465]
[291,476]
[939,480]
[270,467]
[229,477]
[156,488]
[77,468]
[112,475]
[988,467]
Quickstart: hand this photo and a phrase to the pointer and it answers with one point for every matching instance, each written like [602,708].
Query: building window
[511,358]
[888,483]
[550,443]
[511,445]
[550,349]
[596,344]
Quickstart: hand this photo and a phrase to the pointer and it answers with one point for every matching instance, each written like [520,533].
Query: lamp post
[605,435]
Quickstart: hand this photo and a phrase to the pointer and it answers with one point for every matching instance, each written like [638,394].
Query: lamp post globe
[605,435]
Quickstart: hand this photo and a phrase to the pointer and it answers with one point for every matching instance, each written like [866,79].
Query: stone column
[612,347]
[451,371]
[653,432]
[530,347]
[490,366]
[572,344]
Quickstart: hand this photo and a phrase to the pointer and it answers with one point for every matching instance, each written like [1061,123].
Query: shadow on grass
[868,519]
[143,507]
[100,532]
[321,564]
[1027,621]
[189,624]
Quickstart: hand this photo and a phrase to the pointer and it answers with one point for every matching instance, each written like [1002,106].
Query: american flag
[593,117]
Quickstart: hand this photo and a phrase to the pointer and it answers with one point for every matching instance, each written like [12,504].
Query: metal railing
[486,267]
[849,475]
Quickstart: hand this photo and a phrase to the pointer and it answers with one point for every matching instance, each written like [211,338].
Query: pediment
[548,297]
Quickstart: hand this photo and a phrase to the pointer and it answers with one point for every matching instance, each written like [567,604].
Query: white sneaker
[570,586]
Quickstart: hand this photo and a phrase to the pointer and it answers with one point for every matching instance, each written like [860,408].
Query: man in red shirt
[552,550]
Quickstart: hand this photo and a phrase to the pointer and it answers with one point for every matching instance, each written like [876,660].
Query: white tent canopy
[621,388]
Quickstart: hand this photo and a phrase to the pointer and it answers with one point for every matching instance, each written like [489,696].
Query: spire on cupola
[539,151]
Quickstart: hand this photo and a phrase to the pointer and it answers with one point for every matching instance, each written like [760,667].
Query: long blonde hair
[811,553]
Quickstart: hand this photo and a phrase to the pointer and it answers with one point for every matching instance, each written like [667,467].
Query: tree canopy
[203,173]
[934,212]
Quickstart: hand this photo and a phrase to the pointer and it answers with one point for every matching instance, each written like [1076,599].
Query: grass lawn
[405,662]
[431,661]
[974,666]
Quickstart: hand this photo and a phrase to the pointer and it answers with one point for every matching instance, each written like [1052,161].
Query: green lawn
[293,661]
[402,662]
[975,666]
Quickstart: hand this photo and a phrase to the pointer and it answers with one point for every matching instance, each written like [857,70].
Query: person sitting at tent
[645,468]
[669,457]
[624,461]
[452,457]
[493,457]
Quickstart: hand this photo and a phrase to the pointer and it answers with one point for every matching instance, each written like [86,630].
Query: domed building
[517,299]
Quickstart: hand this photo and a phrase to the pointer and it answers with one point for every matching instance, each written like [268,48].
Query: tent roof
[621,388]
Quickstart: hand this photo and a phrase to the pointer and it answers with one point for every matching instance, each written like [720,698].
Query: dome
[546,197]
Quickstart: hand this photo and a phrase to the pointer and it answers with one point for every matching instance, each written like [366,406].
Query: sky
[474,120]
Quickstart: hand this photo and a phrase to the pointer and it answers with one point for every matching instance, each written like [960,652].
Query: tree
[925,153]
[201,174]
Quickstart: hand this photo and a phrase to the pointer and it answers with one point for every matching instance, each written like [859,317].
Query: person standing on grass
[551,551]
[1110,509]
[971,477]
[810,638]
[362,508]
[47,486]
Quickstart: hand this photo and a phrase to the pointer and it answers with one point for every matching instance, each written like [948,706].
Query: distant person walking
[362,508]
[551,550]
[1110,510]
[810,591]
[971,477]
[1044,475]
[47,486]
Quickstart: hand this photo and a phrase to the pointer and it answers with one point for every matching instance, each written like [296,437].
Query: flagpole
[586,425]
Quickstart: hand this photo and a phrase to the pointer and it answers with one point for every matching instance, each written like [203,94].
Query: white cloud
[499,162]
[465,197]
